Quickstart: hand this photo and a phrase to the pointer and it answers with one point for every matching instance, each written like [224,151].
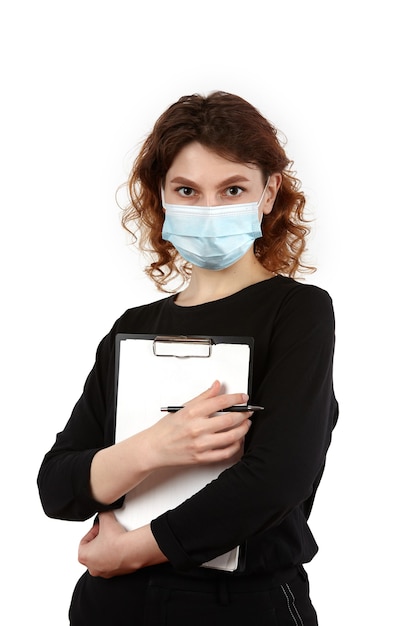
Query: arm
[64,475]
[190,436]
[107,550]
[286,447]
[187,437]
[84,473]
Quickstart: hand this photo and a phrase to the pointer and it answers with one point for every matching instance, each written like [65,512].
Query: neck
[208,285]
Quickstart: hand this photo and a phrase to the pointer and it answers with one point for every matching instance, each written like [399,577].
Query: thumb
[92,534]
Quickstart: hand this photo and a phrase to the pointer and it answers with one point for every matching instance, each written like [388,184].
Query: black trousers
[159,598]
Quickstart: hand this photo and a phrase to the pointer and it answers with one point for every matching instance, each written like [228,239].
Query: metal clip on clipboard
[182,347]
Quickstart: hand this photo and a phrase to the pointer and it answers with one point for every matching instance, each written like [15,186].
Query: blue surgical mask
[212,237]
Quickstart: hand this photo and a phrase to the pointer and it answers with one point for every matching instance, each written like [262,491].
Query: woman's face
[199,176]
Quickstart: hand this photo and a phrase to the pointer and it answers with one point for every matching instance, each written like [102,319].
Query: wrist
[141,549]
[129,552]
[149,459]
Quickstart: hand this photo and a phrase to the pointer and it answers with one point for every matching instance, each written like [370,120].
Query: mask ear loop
[263,193]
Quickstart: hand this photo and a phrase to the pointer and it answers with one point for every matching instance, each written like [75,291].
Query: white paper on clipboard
[153,372]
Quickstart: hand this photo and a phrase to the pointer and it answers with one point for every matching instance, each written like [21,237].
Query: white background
[82,84]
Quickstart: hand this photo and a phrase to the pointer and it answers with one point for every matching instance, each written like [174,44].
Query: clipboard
[153,371]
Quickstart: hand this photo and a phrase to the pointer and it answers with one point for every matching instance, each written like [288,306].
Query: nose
[208,199]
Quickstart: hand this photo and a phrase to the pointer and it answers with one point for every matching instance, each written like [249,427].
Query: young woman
[214,201]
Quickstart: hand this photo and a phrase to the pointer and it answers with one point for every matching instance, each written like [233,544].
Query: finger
[230,421]
[223,452]
[92,534]
[109,522]
[223,401]
[106,517]
[227,442]
[211,392]
[227,434]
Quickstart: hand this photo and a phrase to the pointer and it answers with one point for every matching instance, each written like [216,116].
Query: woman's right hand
[194,435]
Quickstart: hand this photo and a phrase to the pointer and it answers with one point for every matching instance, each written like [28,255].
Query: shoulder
[138,319]
[289,290]
[304,303]
[311,295]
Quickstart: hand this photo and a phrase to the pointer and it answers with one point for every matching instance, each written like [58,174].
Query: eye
[234,191]
[186,192]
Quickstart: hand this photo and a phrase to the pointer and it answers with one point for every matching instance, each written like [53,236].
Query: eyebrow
[238,178]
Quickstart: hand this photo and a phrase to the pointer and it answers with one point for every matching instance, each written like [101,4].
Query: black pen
[231,409]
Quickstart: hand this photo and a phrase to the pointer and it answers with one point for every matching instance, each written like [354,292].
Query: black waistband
[209,581]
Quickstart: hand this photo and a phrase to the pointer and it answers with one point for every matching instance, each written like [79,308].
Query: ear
[274,183]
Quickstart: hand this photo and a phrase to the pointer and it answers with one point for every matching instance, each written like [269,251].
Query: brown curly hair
[234,129]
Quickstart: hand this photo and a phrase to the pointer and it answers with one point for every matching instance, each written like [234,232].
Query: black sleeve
[64,476]
[286,446]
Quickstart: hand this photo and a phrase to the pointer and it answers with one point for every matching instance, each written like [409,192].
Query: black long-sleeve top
[263,501]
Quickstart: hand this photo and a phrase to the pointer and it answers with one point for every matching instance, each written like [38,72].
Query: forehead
[196,160]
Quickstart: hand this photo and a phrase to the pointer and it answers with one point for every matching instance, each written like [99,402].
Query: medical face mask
[212,237]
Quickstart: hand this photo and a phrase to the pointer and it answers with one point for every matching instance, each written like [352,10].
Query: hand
[100,550]
[109,550]
[194,435]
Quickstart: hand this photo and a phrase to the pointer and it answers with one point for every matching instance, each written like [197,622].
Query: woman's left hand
[109,550]
[101,549]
